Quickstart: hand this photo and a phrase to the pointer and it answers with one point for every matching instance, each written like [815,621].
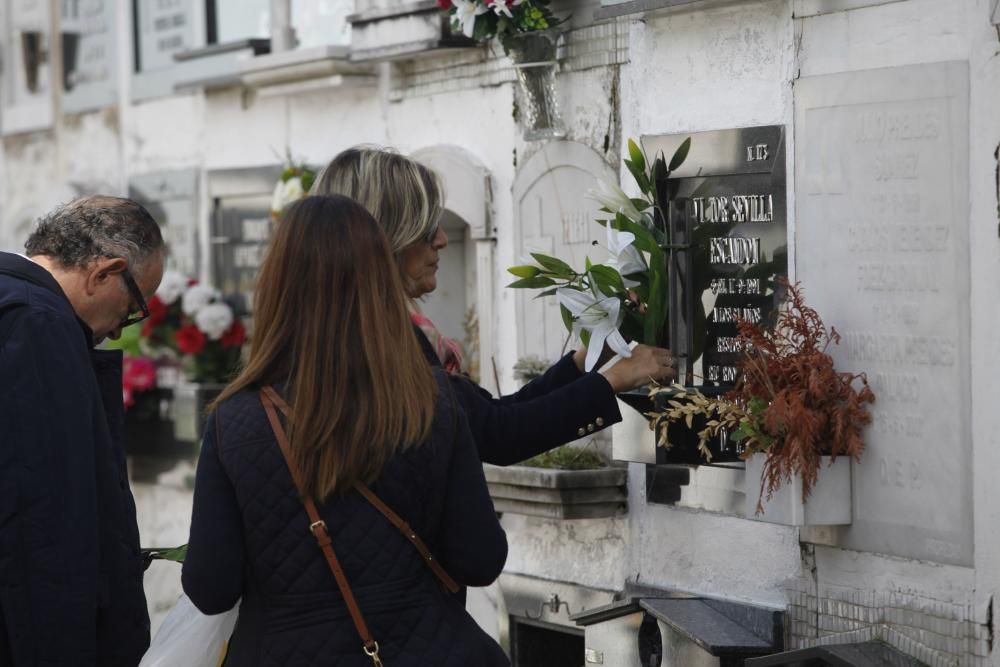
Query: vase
[190,401]
[534,58]
[829,503]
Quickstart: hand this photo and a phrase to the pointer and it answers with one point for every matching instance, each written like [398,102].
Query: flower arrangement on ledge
[625,297]
[789,402]
[482,20]
[191,321]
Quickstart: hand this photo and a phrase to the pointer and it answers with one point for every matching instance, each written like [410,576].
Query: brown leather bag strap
[318,529]
[409,534]
[386,511]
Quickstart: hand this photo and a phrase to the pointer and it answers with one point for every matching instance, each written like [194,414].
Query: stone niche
[171,197]
[882,248]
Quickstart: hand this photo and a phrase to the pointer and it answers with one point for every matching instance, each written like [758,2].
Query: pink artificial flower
[138,373]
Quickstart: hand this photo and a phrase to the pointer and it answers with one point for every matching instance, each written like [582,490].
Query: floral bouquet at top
[295,181]
[625,297]
[482,20]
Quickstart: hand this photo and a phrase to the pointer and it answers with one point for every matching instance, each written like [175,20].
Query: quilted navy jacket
[250,539]
[561,405]
[70,570]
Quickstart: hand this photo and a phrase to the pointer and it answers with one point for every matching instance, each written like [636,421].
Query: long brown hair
[331,320]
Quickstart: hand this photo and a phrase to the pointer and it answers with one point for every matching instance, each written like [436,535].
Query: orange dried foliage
[812,410]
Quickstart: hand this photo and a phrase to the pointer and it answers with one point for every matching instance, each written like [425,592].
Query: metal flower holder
[534,58]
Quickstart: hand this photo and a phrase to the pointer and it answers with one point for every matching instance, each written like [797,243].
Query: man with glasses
[70,568]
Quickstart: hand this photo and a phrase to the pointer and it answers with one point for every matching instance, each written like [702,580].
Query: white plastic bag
[189,638]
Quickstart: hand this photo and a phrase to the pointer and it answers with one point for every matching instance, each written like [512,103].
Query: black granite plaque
[726,209]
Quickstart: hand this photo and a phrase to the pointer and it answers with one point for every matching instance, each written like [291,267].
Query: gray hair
[95,227]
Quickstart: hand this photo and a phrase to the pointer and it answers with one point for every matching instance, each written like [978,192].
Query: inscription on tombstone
[728,215]
[165,28]
[241,229]
[882,247]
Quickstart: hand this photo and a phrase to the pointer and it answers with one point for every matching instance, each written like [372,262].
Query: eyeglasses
[136,293]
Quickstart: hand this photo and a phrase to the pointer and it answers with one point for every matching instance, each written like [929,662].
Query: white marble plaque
[165,27]
[89,54]
[555,217]
[882,238]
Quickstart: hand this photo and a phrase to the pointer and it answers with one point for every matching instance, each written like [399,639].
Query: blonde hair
[404,196]
[359,387]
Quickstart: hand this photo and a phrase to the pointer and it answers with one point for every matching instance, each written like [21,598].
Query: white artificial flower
[171,287]
[197,297]
[466,12]
[625,257]
[601,315]
[214,320]
[500,7]
[611,197]
[278,198]
[286,192]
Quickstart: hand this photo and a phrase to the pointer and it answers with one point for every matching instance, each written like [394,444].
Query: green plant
[789,402]
[566,458]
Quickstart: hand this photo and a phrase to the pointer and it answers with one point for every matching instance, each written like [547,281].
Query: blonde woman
[366,414]
[406,199]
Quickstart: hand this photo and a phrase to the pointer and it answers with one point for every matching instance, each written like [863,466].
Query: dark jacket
[250,538]
[558,407]
[70,570]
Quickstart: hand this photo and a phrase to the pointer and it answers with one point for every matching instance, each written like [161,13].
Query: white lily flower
[612,197]
[197,297]
[465,15]
[601,315]
[500,7]
[625,257]
[171,287]
[214,320]
[286,192]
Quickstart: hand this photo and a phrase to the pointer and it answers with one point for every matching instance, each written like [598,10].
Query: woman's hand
[646,364]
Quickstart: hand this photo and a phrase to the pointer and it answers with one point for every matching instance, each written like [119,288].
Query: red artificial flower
[444,4]
[235,336]
[128,399]
[157,311]
[190,339]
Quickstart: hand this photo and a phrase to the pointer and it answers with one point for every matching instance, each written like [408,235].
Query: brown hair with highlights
[331,321]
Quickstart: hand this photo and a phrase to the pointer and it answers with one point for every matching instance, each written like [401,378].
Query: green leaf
[656,307]
[177,554]
[548,292]
[525,271]
[608,280]
[757,405]
[639,174]
[532,283]
[640,203]
[636,154]
[680,155]
[567,317]
[646,239]
[659,170]
[553,264]
[587,264]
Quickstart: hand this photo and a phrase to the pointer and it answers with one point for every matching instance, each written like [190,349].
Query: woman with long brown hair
[365,415]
